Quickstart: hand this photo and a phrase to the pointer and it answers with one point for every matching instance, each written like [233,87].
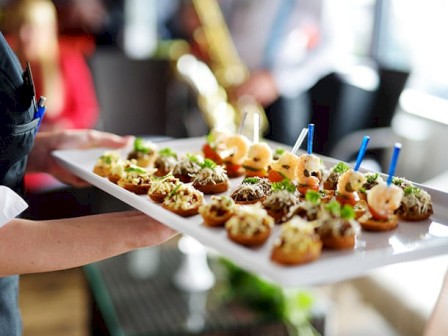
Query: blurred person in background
[288,47]
[60,72]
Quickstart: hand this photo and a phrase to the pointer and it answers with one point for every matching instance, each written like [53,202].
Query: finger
[103,139]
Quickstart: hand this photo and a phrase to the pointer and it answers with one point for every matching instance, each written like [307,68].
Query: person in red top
[60,72]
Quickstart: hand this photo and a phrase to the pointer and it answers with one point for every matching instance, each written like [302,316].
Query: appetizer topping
[140,146]
[307,210]
[236,148]
[296,236]
[372,179]
[108,158]
[349,182]
[286,185]
[259,156]
[217,207]
[263,183]
[188,165]
[167,152]
[415,201]
[277,153]
[383,200]
[280,199]
[307,166]
[183,197]
[118,167]
[286,165]
[136,175]
[335,172]
[337,220]
[249,220]
[212,174]
[163,185]
[247,192]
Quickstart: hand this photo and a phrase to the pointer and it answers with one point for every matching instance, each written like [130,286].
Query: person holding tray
[28,246]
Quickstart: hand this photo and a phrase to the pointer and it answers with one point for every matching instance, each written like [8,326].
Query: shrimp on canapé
[258,159]
[383,200]
[285,166]
[348,185]
[308,164]
[236,148]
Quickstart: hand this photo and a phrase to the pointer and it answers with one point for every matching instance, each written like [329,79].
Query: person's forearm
[30,246]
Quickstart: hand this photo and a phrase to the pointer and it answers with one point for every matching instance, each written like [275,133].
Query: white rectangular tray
[410,241]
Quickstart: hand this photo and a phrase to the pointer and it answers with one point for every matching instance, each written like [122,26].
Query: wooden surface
[54,303]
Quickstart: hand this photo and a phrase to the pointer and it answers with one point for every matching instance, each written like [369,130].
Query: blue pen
[40,110]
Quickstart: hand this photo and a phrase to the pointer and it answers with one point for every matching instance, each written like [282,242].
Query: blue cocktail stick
[362,151]
[393,163]
[310,138]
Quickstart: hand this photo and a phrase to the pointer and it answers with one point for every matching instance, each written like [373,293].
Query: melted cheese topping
[184,198]
[296,236]
[207,176]
[249,220]
[217,205]
[280,199]
[247,192]
[418,200]
[107,159]
[328,224]
[186,167]
[164,185]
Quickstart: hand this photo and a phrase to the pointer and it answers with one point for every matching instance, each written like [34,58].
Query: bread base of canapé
[140,189]
[209,189]
[283,257]
[373,224]
[101,171]
[338,242]
[254,240]
[415,217]
[211,220]
[183,212]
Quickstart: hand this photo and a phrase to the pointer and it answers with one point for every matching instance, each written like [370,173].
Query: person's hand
[41,160]
[260,85]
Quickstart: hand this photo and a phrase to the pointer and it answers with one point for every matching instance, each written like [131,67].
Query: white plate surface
[410,241]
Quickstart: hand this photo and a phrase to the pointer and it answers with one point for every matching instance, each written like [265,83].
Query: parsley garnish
[167,152]
[139,146]
[409,190]
[251,180]
[340,168]
[286,184]
[279,151]
[347,212]
[313,197]
[137,170]
[371,178]
[207,163]
[193,158]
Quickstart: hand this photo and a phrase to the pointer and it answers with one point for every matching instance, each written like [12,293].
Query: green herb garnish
[174,191]
[347,212]
[137,170]
[140,146]
[207,163]
[409,190]
[279,151]
[340,168]
[193,158]
[286,184]
[313,197]
[371,178]
[334,207]
[251,180]
[167,152]
[397,181]
[106,159]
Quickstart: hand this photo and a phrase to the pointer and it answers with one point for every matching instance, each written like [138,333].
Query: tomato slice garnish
[275,176]
[376,215]
[210,153]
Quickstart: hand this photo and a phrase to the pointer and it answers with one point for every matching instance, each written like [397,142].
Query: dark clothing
[17,131]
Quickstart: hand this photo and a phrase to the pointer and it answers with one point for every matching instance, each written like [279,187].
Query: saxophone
[223,70]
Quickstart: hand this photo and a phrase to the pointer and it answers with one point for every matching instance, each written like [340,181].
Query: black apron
[17,130]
